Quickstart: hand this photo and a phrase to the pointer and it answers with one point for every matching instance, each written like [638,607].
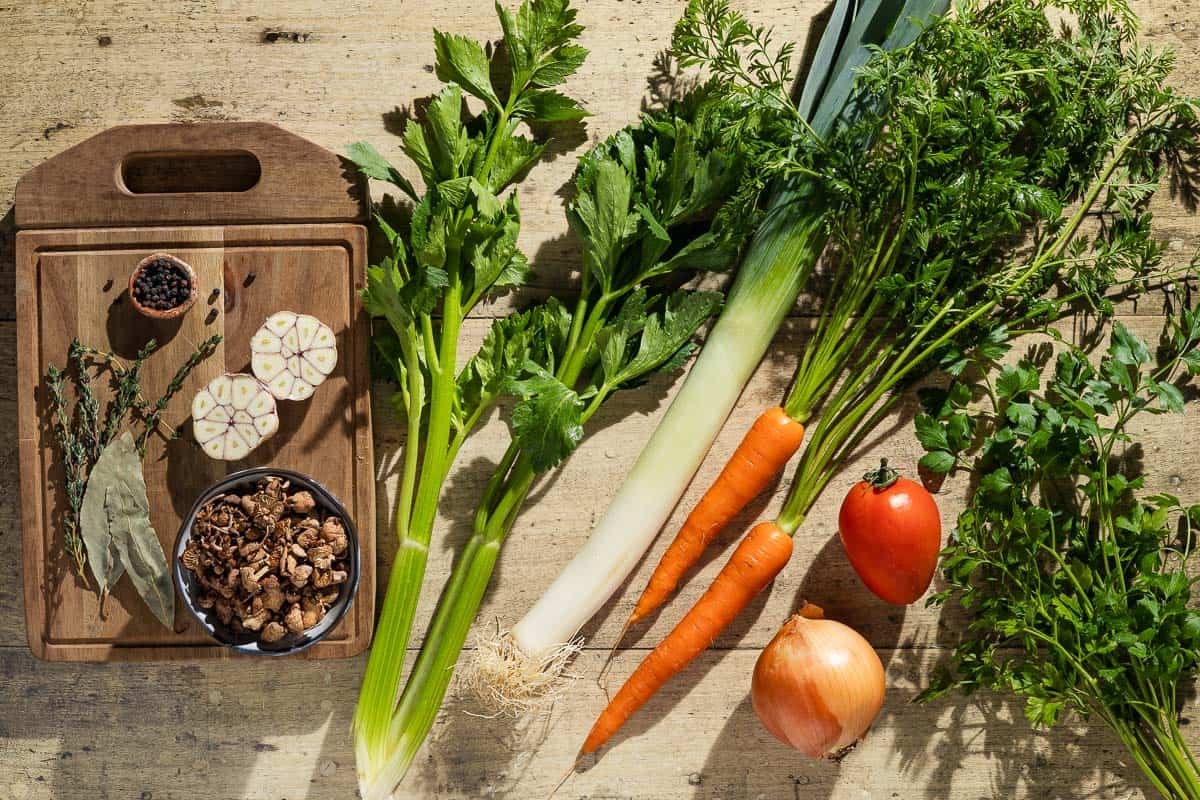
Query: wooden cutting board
[270,222]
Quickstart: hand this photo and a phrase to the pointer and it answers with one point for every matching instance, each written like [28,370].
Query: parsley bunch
[1075,581]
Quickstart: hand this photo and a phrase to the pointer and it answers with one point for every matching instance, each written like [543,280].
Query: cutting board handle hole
[176,173]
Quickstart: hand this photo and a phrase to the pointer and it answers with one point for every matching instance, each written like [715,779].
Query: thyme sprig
[79,431]
[74,454]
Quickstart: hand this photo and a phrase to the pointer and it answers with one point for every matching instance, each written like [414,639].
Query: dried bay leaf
[103,558]
[116,529]
[139,548]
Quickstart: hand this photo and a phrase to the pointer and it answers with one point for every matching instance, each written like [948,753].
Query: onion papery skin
[818,685]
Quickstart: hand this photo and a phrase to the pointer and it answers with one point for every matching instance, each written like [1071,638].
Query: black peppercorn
[162,285]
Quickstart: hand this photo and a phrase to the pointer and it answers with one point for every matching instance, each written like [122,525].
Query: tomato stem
[883,477]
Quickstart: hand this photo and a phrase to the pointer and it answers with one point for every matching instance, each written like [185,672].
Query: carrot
[759,557]
[771,441]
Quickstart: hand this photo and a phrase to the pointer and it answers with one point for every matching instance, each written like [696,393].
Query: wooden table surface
[340,71]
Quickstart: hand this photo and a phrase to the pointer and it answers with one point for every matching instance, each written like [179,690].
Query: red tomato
[892,532]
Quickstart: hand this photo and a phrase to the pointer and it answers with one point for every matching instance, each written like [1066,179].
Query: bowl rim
[324,496]
[170,313]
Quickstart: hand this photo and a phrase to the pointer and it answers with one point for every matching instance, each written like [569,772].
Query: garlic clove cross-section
[292,354]
[233,415]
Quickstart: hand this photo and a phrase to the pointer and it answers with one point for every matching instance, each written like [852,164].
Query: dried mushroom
[301,503]
[294,620]
[268,561]
[334,533]
[273,632]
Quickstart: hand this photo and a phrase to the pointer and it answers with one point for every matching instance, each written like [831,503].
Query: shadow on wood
[927,746]
[8,266]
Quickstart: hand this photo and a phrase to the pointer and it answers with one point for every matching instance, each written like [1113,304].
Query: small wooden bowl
[170,313]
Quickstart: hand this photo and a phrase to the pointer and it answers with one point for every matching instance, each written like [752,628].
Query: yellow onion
[818,685]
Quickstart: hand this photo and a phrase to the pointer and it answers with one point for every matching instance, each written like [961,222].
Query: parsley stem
[1149,764]
[1160,748]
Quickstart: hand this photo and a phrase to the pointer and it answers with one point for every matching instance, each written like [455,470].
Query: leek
[777,265]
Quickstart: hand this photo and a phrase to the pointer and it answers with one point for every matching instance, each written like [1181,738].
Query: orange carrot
[771,441]
[757,560]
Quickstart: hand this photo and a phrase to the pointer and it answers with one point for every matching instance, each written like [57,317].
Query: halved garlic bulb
[233,415]
[292,354]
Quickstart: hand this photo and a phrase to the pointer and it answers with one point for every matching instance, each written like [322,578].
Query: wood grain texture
[238,726]
[209,734]
[567,503]
[337,72]
[72,284]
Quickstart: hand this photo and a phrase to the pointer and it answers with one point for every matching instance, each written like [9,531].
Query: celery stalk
[459,245]
[624,327]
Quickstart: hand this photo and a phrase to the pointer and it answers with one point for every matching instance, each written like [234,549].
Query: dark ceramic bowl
[248,642]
